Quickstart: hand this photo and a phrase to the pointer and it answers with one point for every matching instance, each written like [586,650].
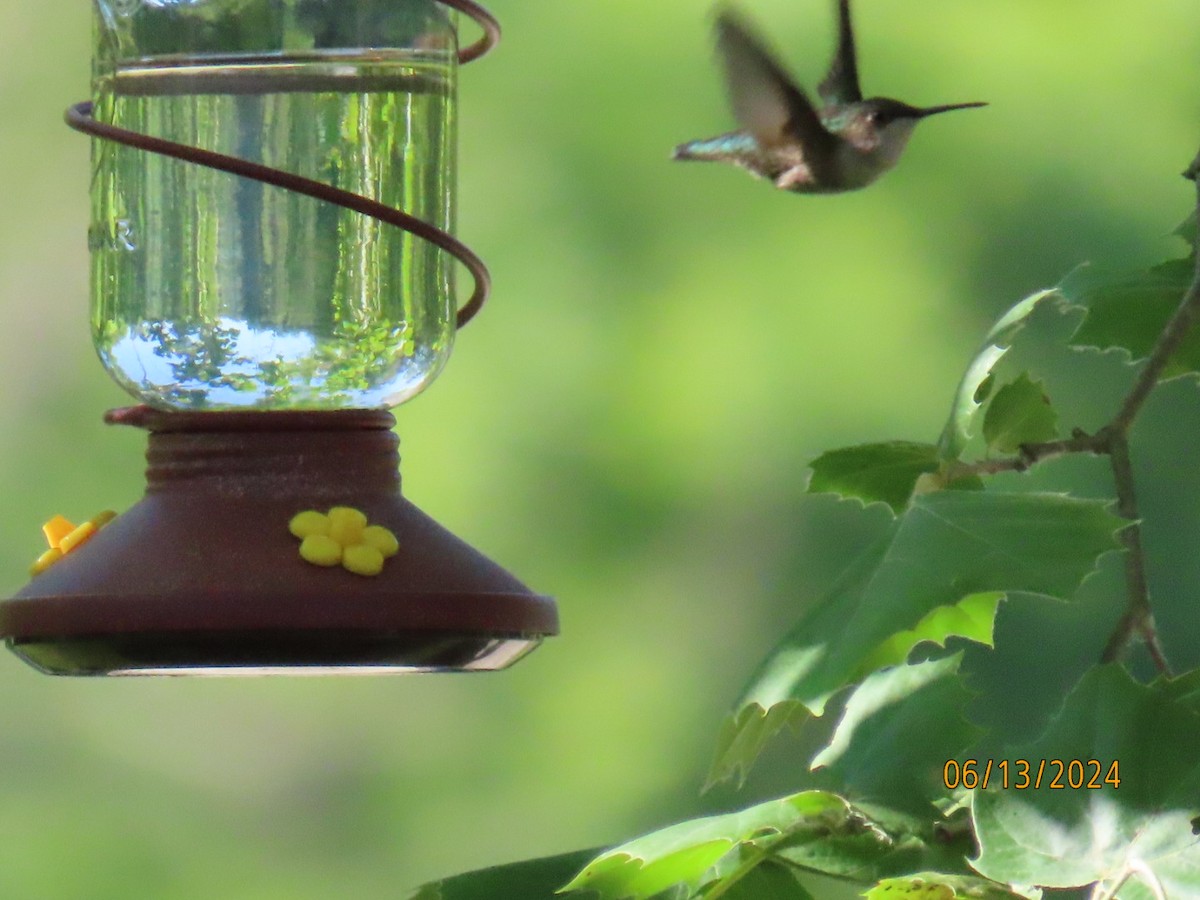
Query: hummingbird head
[883,126]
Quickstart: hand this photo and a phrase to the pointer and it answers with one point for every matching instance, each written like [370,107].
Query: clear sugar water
[211,291]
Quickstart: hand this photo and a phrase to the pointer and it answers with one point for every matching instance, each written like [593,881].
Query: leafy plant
[923,787]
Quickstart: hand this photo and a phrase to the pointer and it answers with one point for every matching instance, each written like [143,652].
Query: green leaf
[873,473]
[768,881]
[1140,829]
[936,886]
[975,386]
[897,844]
[972,618]
[1129,311]
[945,547]
[1020,413]
[744,734]
[731,856]
[534,879]
[896,731]
[702,852]
[1019,684]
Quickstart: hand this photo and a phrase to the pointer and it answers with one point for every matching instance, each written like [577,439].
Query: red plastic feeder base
[202,576]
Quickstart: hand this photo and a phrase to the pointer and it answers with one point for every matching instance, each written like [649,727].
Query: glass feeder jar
[214,292]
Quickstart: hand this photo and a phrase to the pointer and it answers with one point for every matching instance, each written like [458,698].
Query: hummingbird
[845,146]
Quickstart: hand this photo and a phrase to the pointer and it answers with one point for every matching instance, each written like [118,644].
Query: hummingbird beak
[934,110]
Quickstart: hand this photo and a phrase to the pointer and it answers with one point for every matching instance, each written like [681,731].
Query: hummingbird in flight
[844,146]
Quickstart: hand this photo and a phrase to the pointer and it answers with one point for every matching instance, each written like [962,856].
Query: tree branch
[1030,455]
[1139,616]
[1113,440]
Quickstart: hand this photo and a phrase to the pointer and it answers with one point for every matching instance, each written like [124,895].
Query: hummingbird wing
[766,102]
[840,86]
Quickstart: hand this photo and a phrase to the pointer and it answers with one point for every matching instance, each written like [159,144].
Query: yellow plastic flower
[63,536]
[343,535]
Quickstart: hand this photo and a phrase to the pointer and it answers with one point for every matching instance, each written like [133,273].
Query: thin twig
[1149,633]
[1141,623]
[1100,892]
[1030,455]
[1139,617]
[1134,867]
[1149,878]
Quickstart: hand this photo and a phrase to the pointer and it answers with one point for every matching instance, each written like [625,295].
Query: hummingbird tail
[687,152]
[732,146]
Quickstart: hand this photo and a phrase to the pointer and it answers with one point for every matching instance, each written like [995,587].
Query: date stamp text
[1031,774]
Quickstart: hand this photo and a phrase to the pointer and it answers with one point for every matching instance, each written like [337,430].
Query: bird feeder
[272,268]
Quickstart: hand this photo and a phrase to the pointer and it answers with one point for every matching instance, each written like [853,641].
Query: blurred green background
[626,427]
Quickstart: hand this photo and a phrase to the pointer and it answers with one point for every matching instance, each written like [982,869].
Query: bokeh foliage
[626,427]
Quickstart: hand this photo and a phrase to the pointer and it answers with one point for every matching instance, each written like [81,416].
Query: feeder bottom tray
[204,575]
[295,652]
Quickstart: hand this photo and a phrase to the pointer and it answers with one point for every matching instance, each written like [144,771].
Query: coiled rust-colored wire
[80,118]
